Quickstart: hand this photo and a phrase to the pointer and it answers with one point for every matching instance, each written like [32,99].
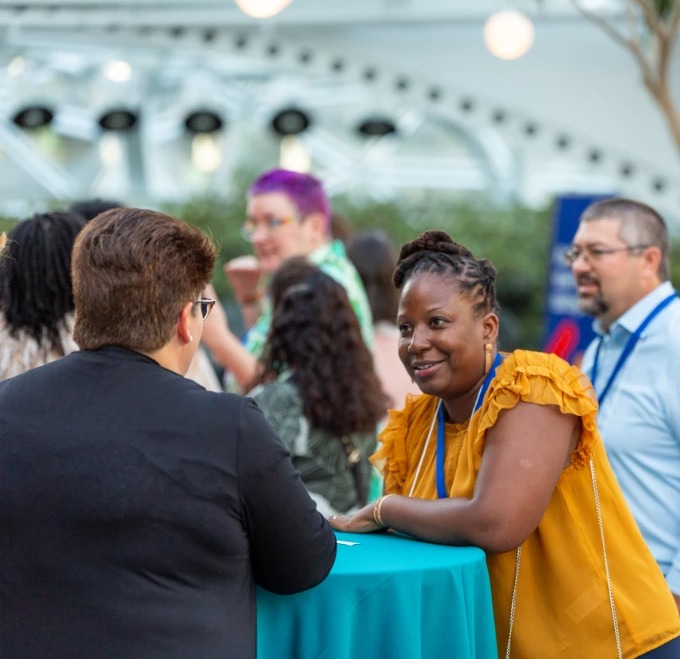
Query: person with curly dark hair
[36,322]
[319,389]
[503,452]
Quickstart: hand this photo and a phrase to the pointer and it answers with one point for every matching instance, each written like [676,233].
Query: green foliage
[515,239]
[664,8]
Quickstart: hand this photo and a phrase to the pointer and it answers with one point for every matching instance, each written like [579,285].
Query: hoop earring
[487,359]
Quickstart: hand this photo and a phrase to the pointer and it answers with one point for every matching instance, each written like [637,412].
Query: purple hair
[305,191]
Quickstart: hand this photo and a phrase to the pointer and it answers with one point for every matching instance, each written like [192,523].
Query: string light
[262,8]
[508,34]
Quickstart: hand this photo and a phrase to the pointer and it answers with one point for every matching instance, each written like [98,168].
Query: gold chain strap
[606,562]
[606,569]
[514,601]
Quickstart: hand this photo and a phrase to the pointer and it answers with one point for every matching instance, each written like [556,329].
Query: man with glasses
[621,265]
[287,215]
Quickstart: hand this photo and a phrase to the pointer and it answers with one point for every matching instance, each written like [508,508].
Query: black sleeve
[292,546]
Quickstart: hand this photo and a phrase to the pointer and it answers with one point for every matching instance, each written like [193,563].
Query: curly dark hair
[36,289]
[315,332]
[436,252]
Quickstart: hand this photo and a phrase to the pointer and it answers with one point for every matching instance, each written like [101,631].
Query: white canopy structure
[438,111]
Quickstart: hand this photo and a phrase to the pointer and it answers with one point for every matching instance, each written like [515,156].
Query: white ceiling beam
[224,13]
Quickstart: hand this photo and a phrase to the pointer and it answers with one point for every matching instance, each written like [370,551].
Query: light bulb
[508,34]
[205,153]
[262,8]
[294,156]
[118,71]
[110,150]
[16,66]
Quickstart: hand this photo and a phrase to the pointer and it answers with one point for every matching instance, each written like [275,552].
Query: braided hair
[436,252]
[36,283]
[315,332]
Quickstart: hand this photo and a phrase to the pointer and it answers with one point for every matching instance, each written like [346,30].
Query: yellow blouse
[562,607]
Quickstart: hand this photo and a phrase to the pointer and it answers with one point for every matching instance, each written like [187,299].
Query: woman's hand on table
[363,521]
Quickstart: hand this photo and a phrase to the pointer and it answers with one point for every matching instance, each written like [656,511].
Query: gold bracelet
[377,516]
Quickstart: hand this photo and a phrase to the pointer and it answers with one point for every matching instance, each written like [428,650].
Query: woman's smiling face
[442,339]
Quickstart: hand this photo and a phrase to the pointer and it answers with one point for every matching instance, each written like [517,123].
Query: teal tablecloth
[387,597]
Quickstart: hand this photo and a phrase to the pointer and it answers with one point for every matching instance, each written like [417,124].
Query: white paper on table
[349,544]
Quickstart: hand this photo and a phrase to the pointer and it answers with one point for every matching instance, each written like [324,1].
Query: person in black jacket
[137,510]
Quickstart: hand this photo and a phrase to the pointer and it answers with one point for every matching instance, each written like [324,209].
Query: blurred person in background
[620,258]
[137,510]
[287,215]
[341,228]
[88,209]
[515,466]
[318,388]
[36,320]
[374,256]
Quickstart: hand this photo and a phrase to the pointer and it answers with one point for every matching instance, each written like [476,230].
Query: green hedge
[516,239]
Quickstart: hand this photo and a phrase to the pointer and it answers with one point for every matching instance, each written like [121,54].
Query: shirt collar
[635,316]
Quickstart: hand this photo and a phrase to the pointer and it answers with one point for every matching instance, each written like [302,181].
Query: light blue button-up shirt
[640,422]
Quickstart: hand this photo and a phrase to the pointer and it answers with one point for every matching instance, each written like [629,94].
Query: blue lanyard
[441,430]
[628,348]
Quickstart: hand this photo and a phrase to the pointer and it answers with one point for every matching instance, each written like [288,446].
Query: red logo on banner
[564,340]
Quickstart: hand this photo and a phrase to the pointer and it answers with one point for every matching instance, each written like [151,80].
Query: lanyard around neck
[628,348]
[441,427]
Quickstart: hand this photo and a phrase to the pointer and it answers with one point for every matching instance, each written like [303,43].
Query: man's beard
[592,305]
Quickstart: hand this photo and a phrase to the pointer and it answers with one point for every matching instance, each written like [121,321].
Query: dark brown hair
[640,225]
[436,252]
[375,257]
[315,332]
[133,271]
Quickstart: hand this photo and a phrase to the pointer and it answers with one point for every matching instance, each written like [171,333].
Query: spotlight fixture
[33,116]
[659,185]
[290,121]
[563,142]
[498,116]
[377,127]
[118,119]
[203,121]
[467,105]
[627,170]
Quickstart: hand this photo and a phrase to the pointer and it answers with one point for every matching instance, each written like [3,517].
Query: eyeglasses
[206,306]
[272,225]
[595,253]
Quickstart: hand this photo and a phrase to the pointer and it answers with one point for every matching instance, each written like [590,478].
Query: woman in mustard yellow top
[507,446]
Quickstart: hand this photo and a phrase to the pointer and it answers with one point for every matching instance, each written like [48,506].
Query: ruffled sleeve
[392,458]
[535,377]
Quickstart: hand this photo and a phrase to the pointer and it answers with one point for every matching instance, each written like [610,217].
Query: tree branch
[651,16]
[619,38]
[601,23]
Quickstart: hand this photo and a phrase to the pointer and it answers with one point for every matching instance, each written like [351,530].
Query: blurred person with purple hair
[288,215]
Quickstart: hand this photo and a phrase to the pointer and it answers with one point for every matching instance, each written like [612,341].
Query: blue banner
[567,331]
